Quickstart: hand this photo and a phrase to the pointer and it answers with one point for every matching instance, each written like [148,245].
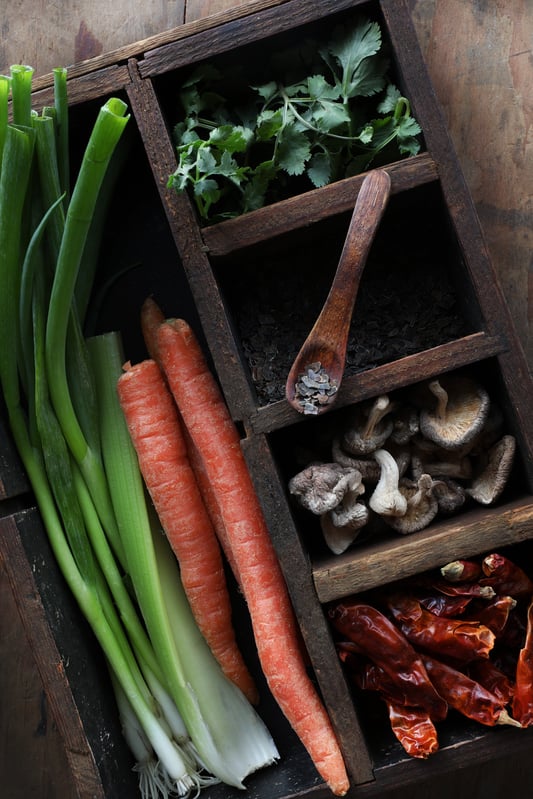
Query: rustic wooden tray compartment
[196,272]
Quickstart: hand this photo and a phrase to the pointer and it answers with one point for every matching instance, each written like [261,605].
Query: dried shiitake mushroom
[321,486]
[422,505]
[369,427]
[460,412]
[489,484]
[340,526]
[415,458]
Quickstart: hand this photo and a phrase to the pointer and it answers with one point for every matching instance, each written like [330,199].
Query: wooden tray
[197,272]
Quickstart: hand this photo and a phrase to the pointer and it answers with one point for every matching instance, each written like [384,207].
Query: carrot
[151,317]
[276,633]
[156,432]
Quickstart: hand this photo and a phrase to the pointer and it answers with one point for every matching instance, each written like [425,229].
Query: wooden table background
[480,59]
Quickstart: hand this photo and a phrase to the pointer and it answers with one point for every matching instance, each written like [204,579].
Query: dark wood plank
[29,734]
[70,663]
[216,325]
[477,65]
[315,629]
[85,88]
[388,377]
[236,33]
[402,556]
[313,206]
[429,114]
[49,662]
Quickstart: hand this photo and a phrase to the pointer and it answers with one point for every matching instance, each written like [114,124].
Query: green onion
[5,84]
[14,180]
[185,723]
[61,117]
[104,138]
[21,77]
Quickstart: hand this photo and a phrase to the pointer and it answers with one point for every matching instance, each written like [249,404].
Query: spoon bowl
[316,374]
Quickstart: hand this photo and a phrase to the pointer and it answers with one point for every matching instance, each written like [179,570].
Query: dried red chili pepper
[471,589]
[372,634]
[441,605]
[495,613]
[492,678]
[523,697]
[412,726]
[461,571]
[433,583]
[368,676]
[453,638]
[466,695]
[414,730]
[506,577]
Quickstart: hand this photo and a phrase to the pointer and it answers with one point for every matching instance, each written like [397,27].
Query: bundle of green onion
[186,724]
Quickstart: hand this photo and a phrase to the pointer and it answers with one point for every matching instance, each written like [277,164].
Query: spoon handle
[333,323]
[327,342]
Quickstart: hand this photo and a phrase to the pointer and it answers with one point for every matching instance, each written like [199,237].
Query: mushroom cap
[492,430]
[322,486]
[487,487]
[428,457]
[422,505]
[457,417]
[450,495]
[368,427]
[405,425]
[341,526]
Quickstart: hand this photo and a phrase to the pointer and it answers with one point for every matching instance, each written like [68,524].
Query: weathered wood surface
[480,60]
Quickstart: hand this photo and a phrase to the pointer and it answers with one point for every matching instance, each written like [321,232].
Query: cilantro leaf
[349,49]
[269,124]
[327,116]
[319,89]
[388,104]
[255,190]
[320,169]
[267,90]
[231,138]
[293,150]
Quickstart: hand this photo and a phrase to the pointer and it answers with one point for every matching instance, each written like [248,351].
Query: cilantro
[325,125]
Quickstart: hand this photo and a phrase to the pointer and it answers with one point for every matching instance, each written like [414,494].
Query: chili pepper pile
[460,639]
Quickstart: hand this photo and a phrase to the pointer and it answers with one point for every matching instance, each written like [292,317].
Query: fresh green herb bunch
[289,135]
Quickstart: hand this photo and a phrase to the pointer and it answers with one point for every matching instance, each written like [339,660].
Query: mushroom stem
[379,409]
[424,489]
[442,399]
[387,499]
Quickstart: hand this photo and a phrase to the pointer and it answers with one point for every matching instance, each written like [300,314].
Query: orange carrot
[156,433]
[151,317]
[217,443]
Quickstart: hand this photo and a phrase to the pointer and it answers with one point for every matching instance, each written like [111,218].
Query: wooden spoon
[322,357]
